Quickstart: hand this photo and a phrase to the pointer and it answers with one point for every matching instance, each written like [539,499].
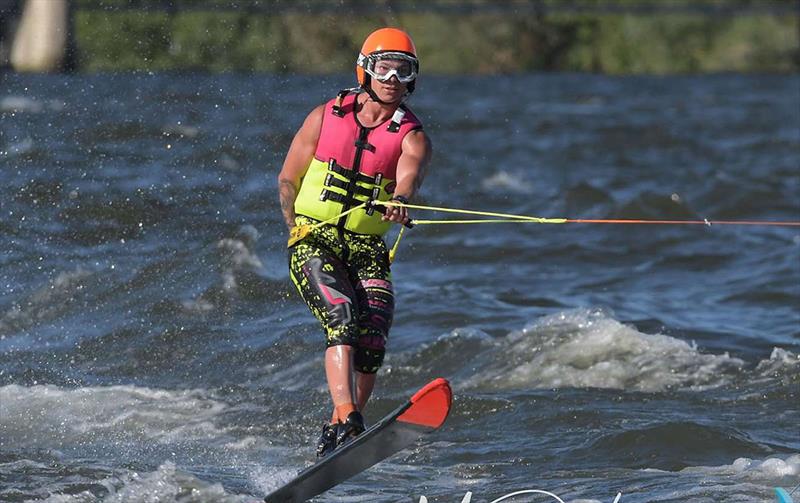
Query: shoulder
[417,143]
[417,137]
[312,125]
[316,115]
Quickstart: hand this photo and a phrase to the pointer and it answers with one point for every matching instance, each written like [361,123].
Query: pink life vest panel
[339,135]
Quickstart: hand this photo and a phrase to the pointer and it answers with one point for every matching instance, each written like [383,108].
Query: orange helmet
[387,43]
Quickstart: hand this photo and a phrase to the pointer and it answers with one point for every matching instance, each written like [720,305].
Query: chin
[391,97]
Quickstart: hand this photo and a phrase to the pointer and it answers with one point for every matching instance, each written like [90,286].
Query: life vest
[353,164]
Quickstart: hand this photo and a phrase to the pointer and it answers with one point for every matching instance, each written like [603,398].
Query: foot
[327,441]
[350,429]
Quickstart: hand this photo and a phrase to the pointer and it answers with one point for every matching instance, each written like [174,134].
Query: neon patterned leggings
[346,282]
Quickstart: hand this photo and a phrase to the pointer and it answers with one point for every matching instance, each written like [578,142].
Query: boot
[327,441]
[350,429]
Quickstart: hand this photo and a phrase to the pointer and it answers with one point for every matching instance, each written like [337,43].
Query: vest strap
[329,195]
[349,173]
[336,109]
[337,106]
[332,181]
[365,145]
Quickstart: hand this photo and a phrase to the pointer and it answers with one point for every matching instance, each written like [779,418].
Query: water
[153,349]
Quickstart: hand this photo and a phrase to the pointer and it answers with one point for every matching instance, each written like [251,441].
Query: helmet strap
[373,96]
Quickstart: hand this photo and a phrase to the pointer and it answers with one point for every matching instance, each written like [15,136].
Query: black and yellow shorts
[345,279]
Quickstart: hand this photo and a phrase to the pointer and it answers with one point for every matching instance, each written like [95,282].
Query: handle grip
[382,210]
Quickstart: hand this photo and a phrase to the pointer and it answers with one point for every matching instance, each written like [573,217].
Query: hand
[396,214]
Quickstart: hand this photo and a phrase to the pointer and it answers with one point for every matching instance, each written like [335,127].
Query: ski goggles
[383,66]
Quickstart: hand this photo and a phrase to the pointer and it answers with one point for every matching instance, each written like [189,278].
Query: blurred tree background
[452,37]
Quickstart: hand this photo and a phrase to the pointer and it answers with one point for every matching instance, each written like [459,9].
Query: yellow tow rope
[502,218]
[506,217]
[301,231]
[517,219]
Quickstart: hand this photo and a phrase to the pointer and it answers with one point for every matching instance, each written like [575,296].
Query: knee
[341,335]
[368,360]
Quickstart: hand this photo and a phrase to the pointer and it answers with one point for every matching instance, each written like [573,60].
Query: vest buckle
[397,118]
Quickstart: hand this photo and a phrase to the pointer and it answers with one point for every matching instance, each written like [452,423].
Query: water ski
[423,413]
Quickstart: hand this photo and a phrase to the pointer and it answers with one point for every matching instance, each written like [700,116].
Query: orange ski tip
[430,405]
[440,382]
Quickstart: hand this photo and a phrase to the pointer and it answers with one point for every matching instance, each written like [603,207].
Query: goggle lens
[384,67]
[394,65]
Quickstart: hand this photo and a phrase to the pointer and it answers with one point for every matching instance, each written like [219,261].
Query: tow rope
[299,232]
[517,219]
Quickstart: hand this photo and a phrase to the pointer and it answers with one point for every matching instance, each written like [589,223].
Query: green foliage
[127,40]
[763,44]
[293,40]
[200,41]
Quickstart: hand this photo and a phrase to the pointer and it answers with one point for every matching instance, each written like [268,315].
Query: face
[391,90]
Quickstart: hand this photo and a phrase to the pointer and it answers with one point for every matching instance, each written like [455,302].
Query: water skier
[365,144]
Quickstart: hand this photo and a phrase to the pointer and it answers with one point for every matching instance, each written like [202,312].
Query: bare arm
[411,167]
[296,163]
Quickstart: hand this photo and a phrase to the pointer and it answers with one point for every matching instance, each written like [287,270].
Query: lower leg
[339,371]
[364,386]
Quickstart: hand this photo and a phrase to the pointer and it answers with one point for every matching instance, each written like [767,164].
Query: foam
[167,483]
[238,264]
[124,424]
[770,469]
[269,478]
[744,479]
[589,349]
[503,181]
[19,104]
[47,302]
[23,104]
[127,417]
[779,362]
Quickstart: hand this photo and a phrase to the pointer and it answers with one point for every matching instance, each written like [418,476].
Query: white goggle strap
[361,61]
[397,55]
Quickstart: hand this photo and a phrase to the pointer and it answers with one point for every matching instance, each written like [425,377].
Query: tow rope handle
[297,233]
[380,207]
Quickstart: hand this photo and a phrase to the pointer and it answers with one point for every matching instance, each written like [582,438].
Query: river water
[152,347]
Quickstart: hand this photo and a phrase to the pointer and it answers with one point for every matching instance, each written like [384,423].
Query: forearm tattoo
[288,193]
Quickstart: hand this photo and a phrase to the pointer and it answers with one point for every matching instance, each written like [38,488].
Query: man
[365,145]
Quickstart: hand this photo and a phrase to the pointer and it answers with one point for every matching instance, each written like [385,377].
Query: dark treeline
[633,36]
[706,7]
